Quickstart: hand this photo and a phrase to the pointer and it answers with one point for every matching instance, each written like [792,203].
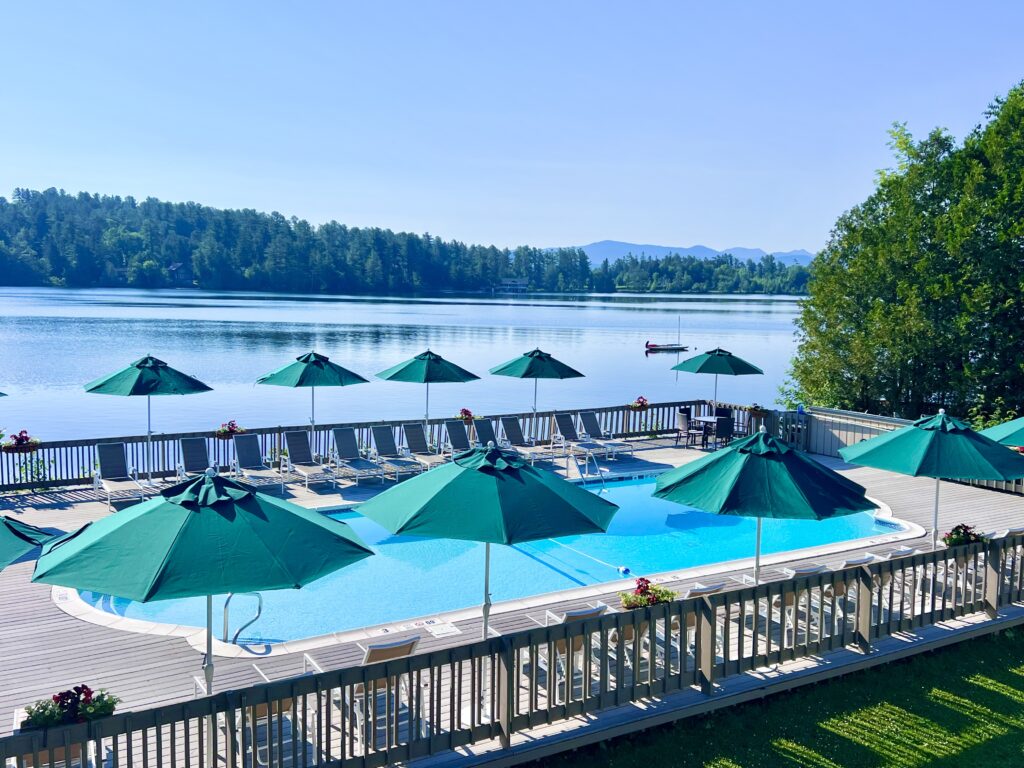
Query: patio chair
[346,456]
[722,434]
[388,454]
[592,430]
[457,438]
[416,442]
[514,436]
[300,460]
[572,443]
[485,433]
[697,590]
[385,694]
[568,648]
[195,458]
[250,467]
[114,475]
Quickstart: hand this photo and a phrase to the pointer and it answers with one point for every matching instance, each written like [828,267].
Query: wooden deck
[42,649]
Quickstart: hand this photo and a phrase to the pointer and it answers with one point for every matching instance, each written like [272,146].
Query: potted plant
[75,705]
[640,404]
[466,415]
[228,430]
[20,442]
[645,594]
[959,535]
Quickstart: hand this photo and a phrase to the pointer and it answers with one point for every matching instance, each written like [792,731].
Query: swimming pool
[414,577]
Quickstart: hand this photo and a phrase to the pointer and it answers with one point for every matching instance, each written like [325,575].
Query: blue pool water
[412,576]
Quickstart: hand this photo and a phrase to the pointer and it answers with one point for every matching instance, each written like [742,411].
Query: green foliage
[960,706]
[75,705]
[52,238]
[915,302]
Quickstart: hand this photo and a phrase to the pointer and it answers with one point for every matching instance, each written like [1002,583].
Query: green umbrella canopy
[760,476]
[718,361]
[427,368]
[311,370]
[17,539]
[206,536]
[536,365]
[146,376]
[937,446]
[491,496]
[1009,433]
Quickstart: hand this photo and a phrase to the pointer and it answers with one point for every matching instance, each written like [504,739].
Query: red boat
[665,347]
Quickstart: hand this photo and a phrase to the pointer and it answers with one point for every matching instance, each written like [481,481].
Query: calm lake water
[52,341]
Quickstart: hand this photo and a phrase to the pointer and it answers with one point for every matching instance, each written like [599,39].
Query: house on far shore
[180,273]
[512,285]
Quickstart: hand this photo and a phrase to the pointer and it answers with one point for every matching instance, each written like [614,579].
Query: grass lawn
[961,706]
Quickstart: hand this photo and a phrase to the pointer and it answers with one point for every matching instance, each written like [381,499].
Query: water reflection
[60,339]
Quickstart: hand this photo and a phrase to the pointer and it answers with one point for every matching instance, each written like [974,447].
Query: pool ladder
[250,622]
[584,472]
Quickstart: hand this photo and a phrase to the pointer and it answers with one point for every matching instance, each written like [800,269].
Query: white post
[757,555]
[149,440]
[935,516]
[487,588]
[211,757]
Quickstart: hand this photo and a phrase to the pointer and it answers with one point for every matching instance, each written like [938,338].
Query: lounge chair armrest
[551,618]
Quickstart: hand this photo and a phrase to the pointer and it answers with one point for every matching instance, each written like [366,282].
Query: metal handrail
[250,622]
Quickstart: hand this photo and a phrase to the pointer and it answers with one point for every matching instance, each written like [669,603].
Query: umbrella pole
[533,423]
[716,389]
[935,516]
[487,588]
[426,413]
[312,411]
[211,757]
[757,555]
[149,440]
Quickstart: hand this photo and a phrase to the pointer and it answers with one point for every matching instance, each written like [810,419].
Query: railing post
[993,577]
[706,646]
[506,690]
[865,587]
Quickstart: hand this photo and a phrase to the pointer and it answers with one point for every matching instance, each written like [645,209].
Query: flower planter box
[65,756]
[226,435]
[28,448]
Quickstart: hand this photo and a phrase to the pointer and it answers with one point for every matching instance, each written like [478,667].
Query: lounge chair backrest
[194,455]
[458,438]
[384,441]
[710,589]
[583,614]
[592,426]
[485,432]
[248,453]
[299,451]
[345,443]
[416,438]
[113,460]
[857,561]
[398,649]
[566,427]
[1014,532]
[808,570]
[513,430]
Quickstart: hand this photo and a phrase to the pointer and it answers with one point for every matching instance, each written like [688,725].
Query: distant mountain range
[614,249]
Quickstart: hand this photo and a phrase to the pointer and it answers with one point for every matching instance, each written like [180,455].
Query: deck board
[43,649]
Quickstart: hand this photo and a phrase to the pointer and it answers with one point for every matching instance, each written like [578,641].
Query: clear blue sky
[546,123]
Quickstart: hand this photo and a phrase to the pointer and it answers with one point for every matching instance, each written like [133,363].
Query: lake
[53,341]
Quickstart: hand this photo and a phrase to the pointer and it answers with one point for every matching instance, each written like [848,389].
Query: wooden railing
[73,462]
[390,711]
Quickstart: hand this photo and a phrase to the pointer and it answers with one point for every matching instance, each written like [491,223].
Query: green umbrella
[940,447]
[18,538]
[147,376]
[536,365]
[1009,433]
[207,536]
[718,361]
[491,496]
[312,370]
[427,368]
[761,476]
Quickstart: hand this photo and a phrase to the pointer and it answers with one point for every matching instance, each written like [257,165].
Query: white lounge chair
[347,458]
[389,456]
[300,461]
[249,465]
[114,475]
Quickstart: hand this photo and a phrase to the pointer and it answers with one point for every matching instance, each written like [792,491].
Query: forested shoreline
[88,240]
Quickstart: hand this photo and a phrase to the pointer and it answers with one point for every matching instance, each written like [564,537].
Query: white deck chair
[195,457]
[517,441]
[419,449]
[389,456]
[250,467]
[360,697]
[567,650]
[114,475]
[592,430]
[347,458]
[300,461]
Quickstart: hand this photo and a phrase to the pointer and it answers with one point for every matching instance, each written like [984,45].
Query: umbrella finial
[942,411]
[211,472]
[763,430]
